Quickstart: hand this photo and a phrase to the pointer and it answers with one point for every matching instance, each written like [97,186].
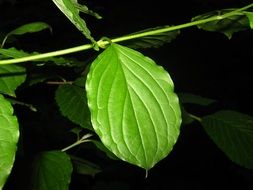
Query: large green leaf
[11,76]
[51,171]
[227,26]
[149,41]
[133,107]
[9,135]
[72,102]
[71,9]
[233,133]
[27,28]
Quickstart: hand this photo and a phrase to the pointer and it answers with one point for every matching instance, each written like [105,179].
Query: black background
[199,62]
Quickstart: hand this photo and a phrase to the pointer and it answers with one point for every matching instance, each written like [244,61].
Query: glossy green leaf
[11,76]
[227,26]
[233,133]
[133,107]
[187,98]
[28,28]
[72,102]
[156,40]
[71,9]
[85,167]
[61,61]
[9,135]
[51,171]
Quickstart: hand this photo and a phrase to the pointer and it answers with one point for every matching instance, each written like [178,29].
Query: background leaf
[72,102]
[28,28]
[9,135]
[11,76]
[227,26]
[233,133]
[133,107]
[51,171]
[156,40]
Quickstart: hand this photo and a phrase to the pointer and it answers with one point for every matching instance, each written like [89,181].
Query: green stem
[103,43]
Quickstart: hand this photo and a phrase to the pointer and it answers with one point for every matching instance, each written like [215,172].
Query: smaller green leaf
[232,132]
[9,135]
[51,171]
[227,26]
[11,76]
[150,41]
[85,167]
[72,102]
[187,98]
[28,28]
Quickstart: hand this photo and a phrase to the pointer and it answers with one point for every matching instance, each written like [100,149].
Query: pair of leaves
[27,28]
[239,21]
[9,135]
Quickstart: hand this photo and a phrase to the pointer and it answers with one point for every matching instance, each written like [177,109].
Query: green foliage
[233,133]
[140,123]
[123,98]
[11,76]
[9,135]
[51,171]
